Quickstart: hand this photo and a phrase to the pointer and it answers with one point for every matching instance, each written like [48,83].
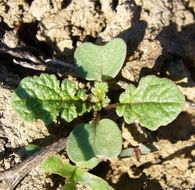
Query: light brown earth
[160,35]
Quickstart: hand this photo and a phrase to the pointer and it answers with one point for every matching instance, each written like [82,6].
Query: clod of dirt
[142,61]
[11,39]
[44,8]
[160,38]
[121,21]
[15,12]
[14,135]
[78,19]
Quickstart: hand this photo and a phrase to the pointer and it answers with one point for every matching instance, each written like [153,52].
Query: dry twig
[23,57]
[18,173]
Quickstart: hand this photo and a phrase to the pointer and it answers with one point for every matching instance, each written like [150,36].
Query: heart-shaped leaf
[155,102]
[100,62]
[89,140]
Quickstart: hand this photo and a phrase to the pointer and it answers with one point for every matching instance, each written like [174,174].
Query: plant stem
[71,66]
[111,106]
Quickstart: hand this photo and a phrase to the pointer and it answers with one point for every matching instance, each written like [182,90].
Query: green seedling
[72,174]
[155,102]
[139,150]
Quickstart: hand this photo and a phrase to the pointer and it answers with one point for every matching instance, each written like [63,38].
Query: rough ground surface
[160,35]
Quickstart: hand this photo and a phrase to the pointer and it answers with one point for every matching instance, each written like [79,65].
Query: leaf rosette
[99,95]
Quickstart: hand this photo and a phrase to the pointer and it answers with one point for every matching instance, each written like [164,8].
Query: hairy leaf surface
[43,98]
[99,95]
[100,62]
[89,140]
[155,102]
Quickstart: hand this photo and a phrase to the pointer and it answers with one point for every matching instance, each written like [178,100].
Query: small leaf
[70,185]
[147,148]
[96,183]
[155,102]
[68,87]
[99,95]
[144,149]
[31,149]
[88,141]
[100,62]
[81,94]
[56,166]
[43,98]
[92,163]
[128,152]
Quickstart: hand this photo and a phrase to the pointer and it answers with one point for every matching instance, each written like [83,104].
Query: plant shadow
[177,59]
[182,128]
[82,137]
[125,183]
[186,151]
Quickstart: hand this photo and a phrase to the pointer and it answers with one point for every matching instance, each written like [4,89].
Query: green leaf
[89,140]
[99,95]
[155,102]
[56,166]
[92,163]
[147,148]
[31,149]
[100,62]
[43,98]
[96,183]
[70,185]
[144,149]
[128,152]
